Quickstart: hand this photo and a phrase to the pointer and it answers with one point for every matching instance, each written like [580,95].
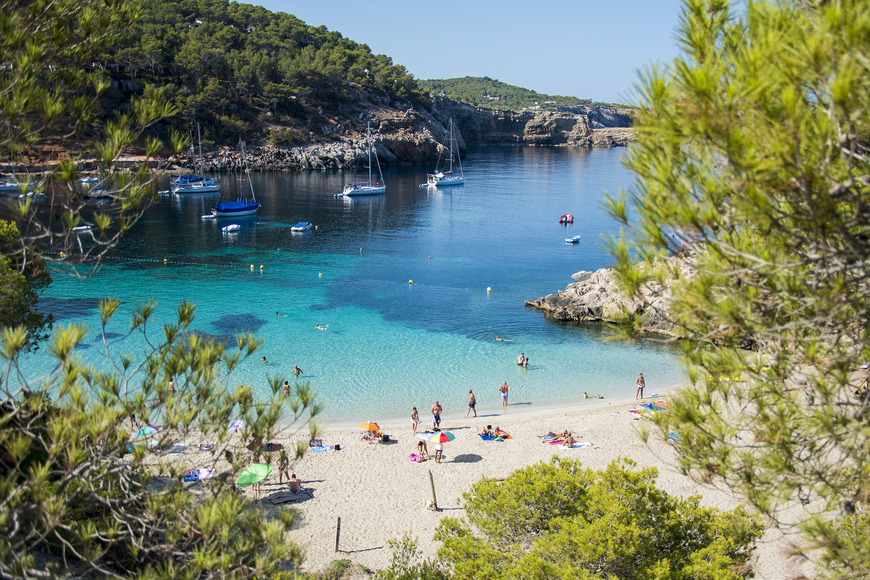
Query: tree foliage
[558,520]
[50,96]
[71,503]
[225,61]
[494,94]
[752,165]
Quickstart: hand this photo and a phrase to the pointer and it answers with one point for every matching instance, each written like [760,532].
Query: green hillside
[242,70]
[490,93]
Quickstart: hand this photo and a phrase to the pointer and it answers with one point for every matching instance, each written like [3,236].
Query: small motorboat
[574,240]
[566,218]
[301,227]
[231,228]
[208,216]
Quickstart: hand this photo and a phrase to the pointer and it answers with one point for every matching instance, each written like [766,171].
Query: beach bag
[414,457]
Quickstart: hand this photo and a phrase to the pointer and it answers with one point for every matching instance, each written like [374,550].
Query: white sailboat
[354,189]
[445,178]
[195,183]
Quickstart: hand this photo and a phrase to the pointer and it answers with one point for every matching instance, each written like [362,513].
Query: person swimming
[319,327]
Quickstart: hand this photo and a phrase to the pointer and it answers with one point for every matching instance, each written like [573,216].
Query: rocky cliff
[595,298]
[417,136]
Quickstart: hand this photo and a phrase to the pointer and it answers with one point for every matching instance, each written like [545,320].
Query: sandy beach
[380,494]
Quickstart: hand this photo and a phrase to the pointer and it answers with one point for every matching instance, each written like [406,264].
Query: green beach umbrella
[254,474]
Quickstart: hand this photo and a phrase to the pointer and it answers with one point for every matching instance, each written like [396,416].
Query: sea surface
[412,285]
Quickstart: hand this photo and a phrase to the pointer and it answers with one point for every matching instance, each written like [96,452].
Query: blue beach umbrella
[146,431]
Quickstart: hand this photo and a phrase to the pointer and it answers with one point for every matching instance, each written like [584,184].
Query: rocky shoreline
[596,298]
[418,136]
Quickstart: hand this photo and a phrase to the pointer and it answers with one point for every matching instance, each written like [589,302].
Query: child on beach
[415,420]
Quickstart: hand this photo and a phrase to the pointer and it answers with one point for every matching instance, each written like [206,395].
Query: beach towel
[485,437]
[323,448]
[191,476]
[177,448]
[577,445]
[206,446]
[674,436]
[282,497]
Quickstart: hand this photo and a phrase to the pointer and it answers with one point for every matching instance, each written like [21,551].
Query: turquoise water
[390,344]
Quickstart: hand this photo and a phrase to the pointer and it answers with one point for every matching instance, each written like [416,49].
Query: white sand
[379,493]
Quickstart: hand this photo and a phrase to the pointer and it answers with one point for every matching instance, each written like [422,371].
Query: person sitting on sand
[487,431]
[295,484]
[568,442]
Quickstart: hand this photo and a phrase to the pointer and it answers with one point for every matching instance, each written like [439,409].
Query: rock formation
[417,136]
[595,298]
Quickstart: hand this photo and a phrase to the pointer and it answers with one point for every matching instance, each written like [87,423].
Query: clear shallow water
[390,344]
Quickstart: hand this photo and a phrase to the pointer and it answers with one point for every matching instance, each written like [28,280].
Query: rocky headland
[416,136]
[594,297]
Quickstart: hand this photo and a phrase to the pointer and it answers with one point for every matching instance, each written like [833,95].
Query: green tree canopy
[559,520]
[752,169]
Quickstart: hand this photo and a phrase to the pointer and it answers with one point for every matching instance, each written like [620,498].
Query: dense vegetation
[243,71]
[490,93]
[751,153]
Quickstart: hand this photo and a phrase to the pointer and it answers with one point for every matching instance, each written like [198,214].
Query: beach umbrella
[254,474]
[369,426]
[146,431]
[236,426]
[442,437]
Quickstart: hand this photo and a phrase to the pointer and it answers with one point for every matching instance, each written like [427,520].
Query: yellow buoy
[252,267]
[410,282]
[164,260]
[261,266]
[320,274]
[489,289]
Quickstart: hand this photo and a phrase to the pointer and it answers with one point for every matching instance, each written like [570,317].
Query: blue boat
[301,227]
[241,206]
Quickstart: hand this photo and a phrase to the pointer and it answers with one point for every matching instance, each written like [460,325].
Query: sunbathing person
[499,433]
[569,441]
[295,484]
[487,431]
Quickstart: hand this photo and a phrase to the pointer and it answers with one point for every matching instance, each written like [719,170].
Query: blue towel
[674,436]
[486,437]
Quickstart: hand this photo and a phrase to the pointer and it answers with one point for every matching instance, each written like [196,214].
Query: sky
[591,49]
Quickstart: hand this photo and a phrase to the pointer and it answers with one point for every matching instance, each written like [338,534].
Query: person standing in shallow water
[471,404]
[640,385]
[436,415]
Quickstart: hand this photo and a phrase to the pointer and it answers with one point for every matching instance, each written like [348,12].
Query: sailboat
[445,178]
[14,188]
[195,183]
[241,206]
[353,189]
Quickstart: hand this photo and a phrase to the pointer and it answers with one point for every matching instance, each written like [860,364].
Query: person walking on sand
[436,415]
[640,385]
[471,403]
[504,389]
[415,420]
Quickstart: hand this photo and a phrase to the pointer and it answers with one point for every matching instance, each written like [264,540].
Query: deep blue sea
[401,280]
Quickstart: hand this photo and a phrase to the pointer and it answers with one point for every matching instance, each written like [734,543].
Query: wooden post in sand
[337,532]
[432,483]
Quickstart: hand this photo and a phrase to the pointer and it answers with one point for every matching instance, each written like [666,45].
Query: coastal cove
[400,282]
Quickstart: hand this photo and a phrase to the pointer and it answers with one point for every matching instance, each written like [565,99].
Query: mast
[248,172]
[369,130]
[450,167]
[199,139]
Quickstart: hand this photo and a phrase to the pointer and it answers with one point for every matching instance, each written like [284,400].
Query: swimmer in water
[318,327]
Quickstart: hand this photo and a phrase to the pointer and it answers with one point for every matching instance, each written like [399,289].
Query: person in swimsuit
[296,370]
[318,327]
[436,415]
[415,419]
[286,388]
[504,389]
[471,403]
[521,359]
[640,385]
